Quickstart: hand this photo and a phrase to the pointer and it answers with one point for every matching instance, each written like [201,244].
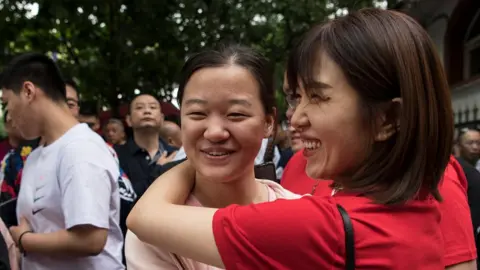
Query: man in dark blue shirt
[143,154]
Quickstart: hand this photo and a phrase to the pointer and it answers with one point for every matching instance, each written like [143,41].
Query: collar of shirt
[162,147]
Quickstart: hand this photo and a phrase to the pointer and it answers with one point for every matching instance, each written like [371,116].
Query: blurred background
[116,49]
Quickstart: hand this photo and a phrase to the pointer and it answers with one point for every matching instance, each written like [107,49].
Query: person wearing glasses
[375,116]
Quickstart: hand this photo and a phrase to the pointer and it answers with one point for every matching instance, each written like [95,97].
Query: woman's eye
[196,115]
[318,98]
[237,115]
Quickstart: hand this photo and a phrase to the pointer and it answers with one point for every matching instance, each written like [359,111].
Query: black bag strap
[349,239]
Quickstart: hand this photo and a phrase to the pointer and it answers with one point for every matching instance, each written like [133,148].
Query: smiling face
[329,120]
[223,122]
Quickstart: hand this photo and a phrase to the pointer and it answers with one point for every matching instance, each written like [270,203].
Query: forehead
[113,124]
[87,117]
[145,99]
[71,92]
[326,70]
[472,135]
[219,81]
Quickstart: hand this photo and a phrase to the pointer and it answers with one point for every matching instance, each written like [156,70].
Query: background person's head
[73,100]
[469,145]
[171,133]
[227,108]
[115,131]
[374,107]
[145,114]
[295,141]
[32,85]
[88,114]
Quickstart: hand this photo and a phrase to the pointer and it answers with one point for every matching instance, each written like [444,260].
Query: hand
[16,231]
[164,159]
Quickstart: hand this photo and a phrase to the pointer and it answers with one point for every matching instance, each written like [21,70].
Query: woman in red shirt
[374,113]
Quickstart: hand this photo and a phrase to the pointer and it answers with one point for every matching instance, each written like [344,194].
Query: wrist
[21,240]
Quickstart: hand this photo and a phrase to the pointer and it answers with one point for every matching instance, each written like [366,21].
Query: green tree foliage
[118,48]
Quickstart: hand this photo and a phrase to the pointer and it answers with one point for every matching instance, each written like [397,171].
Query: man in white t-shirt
[68,206]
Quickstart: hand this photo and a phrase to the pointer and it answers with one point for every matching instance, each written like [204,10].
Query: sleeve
[141,256]
[456,224]
[86,193]
[277,235]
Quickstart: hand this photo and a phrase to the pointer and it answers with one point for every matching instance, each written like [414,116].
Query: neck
[473,162]
[243,191]
[147,140]
[14,142]
[57,123]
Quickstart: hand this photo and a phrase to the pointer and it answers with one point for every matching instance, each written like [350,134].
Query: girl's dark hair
[384,55]
[238,55]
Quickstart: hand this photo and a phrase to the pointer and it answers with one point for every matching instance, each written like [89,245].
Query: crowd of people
[363,177]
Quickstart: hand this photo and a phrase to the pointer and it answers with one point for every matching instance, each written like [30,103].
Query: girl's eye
[237,116]
[196,115]
[318,98]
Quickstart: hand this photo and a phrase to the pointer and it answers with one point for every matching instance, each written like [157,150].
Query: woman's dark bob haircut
[386,55]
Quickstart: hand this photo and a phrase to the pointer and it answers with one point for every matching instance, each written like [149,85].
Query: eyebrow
[195,101]
[242,102]
[316,85]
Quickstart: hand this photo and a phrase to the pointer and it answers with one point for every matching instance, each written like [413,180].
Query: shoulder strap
[349,239]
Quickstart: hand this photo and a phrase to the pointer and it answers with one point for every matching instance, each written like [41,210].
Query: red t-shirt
[308,233]
[456,222]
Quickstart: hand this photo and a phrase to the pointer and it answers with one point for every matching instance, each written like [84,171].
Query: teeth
[311,145]
[217,153]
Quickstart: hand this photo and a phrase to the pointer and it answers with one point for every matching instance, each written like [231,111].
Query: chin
[216,174]
[316,172]
[217,177]
[29,136]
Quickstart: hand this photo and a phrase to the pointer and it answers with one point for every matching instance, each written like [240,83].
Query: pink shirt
[143,256]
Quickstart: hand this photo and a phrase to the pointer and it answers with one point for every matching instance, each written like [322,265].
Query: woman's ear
[388,121]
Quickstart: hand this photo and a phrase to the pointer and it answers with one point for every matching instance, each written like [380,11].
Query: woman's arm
[140,255]
[471,265]
[259,236]
[160,218]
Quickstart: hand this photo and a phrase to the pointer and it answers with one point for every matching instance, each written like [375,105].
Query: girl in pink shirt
[227,108]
